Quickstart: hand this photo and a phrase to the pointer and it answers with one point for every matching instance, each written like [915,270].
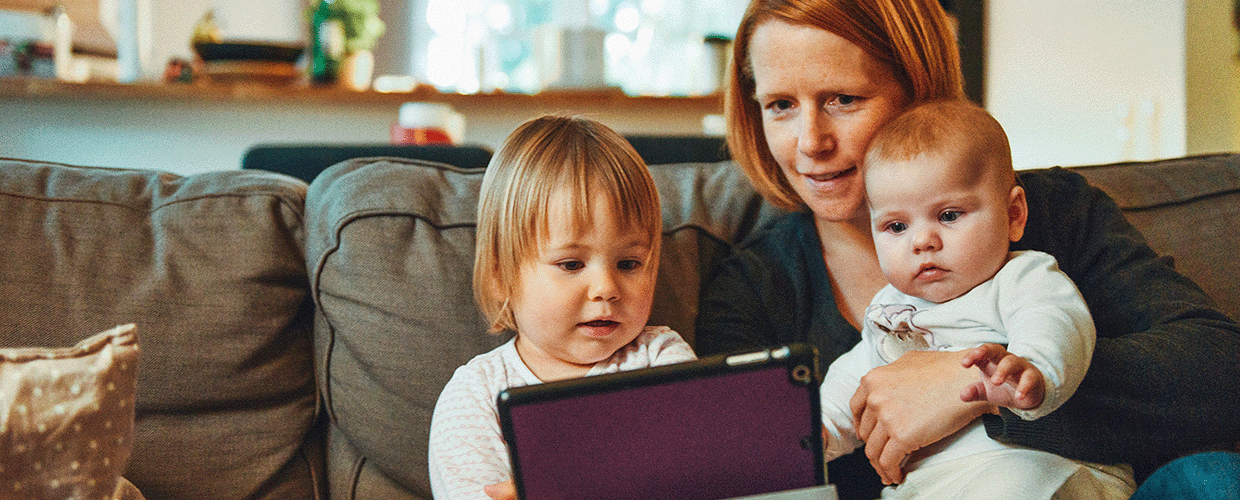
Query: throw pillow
[66,418]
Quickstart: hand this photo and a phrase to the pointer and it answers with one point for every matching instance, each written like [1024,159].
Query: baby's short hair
[547,155]
[936,125]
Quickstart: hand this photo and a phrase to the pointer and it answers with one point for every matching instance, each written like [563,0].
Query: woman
[811,82]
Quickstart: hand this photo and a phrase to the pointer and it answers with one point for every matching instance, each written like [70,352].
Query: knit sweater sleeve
[1164,373]
[467,450]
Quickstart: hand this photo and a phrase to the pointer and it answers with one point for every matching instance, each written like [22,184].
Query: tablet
[720,427]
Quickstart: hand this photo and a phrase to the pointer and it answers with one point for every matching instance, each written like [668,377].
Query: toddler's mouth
[600,323]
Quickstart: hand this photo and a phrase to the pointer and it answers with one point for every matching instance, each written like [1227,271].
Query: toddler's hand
[506,490]
[1007,379]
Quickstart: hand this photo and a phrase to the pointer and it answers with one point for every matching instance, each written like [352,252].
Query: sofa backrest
[390,247]
[1187,209]
[210,269]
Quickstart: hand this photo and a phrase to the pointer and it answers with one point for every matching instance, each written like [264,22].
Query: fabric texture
[68,413]
[467,450]
[390,248]
[1211,475]
[210,269]
[1014,473]
[772,293]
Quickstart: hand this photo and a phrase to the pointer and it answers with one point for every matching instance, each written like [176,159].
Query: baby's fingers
[1009,368]
[980,355]
[1031,390]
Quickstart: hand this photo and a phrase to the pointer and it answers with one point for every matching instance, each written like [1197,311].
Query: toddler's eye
[571,265]
[629,264]
[950,216]
[897,227]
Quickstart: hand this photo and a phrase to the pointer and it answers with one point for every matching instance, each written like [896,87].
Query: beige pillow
[66,418]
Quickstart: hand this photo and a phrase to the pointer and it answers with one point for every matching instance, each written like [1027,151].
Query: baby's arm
[1007,380]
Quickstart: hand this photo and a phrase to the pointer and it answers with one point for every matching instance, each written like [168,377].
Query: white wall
[189,136]
[1213,118]
[1087,81]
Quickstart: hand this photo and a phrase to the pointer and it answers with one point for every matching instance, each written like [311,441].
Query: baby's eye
[571,265]
[897,227]
[950,216]
[629,264]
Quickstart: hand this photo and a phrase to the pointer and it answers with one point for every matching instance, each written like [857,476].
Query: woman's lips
[830,177]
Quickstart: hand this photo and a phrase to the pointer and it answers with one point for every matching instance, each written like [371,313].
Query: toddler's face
[938,229]
[582,296]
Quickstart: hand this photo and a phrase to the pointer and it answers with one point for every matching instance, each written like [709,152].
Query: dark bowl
[248,51]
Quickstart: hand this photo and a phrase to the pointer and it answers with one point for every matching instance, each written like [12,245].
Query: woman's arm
[1166,369]
[774,291]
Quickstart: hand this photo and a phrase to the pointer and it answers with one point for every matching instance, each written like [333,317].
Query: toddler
[944,206]
[568,237]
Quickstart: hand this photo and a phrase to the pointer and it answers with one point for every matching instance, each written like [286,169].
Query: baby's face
[939,226]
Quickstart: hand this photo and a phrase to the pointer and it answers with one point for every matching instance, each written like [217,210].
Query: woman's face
[822,99]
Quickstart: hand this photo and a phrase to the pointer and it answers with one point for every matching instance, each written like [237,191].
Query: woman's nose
[816,136]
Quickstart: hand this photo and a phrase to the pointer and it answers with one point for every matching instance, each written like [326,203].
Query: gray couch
[294,338]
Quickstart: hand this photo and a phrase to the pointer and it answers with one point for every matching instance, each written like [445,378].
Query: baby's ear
[1018,213]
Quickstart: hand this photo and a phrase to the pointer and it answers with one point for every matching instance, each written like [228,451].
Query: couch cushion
[390,247]
[210,268]
[68,425]
[1187,209]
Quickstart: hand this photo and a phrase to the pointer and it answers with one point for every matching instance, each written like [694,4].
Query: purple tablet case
[719,427]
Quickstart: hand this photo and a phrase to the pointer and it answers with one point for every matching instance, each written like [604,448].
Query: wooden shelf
[34,88]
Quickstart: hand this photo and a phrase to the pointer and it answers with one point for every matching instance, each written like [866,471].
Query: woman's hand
[909,404]
[506,490]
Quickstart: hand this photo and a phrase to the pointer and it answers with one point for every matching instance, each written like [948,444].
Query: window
[644,47]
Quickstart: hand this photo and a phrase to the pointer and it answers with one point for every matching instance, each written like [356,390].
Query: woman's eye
[779,105]
[950,216]
[897,227]
[629,264]
[846,100]
[571,265]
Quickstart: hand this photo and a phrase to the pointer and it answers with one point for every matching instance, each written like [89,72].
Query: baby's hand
[1007,379]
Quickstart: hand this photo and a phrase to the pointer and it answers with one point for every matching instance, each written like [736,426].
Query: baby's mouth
[930,271]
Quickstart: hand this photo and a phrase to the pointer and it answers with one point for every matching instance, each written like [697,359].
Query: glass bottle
[326,40]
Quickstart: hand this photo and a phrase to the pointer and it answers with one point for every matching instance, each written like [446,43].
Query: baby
[944,205]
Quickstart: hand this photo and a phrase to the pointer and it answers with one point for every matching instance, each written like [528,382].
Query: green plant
[359,20]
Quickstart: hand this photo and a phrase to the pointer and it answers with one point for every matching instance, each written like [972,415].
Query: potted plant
[345,32]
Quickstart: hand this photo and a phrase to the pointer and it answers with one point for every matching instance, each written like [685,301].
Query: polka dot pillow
[67,417]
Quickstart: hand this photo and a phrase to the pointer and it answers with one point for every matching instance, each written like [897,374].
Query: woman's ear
[1018,213]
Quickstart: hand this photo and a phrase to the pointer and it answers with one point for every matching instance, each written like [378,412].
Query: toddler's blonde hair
[552,154]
